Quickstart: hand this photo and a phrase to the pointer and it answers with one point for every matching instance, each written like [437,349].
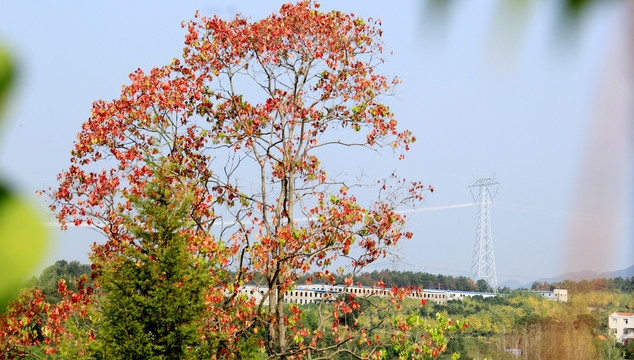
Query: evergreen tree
[154,286]
[483,286]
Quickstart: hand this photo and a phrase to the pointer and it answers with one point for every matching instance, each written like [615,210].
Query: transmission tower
[483,262]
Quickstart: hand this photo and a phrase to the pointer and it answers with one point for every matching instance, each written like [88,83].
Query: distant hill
[629,272]
[512,284]
[589,275]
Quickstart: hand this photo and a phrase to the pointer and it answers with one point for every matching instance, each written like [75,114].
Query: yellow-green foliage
[539,328]
[607,300]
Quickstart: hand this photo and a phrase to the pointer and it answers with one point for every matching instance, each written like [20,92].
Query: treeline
[61,270]
[72,270]
[575,287]
[392,278]
[421,279]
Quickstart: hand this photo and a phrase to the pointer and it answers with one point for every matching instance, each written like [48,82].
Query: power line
[562,213]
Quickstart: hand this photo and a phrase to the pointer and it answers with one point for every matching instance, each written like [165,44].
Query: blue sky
[486,88]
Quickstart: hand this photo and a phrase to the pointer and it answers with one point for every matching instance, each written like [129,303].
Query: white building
[459,295]
[316,293]
[256,292]
[622,326]
[557,294]
[309,294]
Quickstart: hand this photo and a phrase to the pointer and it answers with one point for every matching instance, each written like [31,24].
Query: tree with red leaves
[33,328]
[240,122]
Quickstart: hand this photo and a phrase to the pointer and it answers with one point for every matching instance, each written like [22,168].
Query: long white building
[316,293]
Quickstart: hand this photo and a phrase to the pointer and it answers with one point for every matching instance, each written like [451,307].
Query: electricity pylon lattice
[483,262]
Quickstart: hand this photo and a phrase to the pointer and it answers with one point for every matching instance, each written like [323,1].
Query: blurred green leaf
[22,244]
[7,73]
[22,233]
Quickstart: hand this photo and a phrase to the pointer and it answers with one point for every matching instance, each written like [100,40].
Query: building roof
[317,290]
[624,314]
[467,292]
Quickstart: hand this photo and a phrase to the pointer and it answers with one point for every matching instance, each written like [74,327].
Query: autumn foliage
[237,126]
[32,322]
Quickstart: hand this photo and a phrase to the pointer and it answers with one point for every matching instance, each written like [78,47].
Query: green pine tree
[154,287]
